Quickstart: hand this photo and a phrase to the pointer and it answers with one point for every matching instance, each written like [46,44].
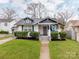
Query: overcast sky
[52,5]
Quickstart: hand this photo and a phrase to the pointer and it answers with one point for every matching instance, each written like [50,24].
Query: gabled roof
[27,18]
[47,20]
[74,22]
[22,22]
[37,20]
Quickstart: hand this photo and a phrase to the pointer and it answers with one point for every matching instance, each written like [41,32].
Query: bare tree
[8,13]
[64,16]
[31,9]
[35,9]
[41,9]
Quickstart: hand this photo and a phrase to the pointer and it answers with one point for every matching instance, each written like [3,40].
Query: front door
[45,30]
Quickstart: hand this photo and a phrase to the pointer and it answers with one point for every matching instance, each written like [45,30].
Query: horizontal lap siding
[36,28]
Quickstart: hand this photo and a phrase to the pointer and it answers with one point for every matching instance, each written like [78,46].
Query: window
[27,28]
[53,27]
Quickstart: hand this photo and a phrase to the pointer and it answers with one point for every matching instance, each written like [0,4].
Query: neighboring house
[72,28]
[44,26]
[6,24]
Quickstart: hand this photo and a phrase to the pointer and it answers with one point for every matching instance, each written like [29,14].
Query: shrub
[54,35]
[34,35]
[68,35]
[20,34]
[4,32]
[62,35]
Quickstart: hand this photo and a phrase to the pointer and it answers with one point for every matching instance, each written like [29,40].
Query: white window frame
[27,28]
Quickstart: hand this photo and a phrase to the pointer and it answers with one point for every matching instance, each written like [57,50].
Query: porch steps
[44,38]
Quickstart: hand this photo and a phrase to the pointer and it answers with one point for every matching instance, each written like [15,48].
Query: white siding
[36,28]
[5,28]
[19,28]
[73,33]
[59,28]
[9,25]
[77,37]
[77,33]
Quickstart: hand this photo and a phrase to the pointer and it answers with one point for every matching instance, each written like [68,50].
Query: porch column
[49,33]
[59,29]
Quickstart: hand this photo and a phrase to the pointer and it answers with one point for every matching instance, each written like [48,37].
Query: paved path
[5,40]
[44,53]
[3,35]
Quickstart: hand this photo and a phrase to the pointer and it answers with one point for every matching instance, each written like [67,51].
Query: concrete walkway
[44,53]
[5,40]
[3,35]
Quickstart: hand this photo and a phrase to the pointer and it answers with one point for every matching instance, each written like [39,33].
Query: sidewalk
[5,40]
[44,53]
[2,35]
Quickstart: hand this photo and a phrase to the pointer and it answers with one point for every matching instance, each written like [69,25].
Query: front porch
[45,30]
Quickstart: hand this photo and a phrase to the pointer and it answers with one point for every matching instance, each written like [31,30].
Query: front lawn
[20,49]
[64,49]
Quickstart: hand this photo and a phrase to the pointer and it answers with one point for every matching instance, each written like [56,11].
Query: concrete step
[44,38]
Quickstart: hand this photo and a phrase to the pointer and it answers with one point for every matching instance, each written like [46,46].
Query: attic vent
[28,21]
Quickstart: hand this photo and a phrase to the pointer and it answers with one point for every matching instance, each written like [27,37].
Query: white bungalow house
[44,26]
[6,24]
[72,28]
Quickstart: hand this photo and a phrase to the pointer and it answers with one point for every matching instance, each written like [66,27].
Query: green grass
[64,49]
[20,49]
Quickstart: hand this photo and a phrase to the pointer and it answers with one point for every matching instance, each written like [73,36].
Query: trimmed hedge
[54,35]
[24,35]
[4,32]
[34,35]
[62,35]
[20,34]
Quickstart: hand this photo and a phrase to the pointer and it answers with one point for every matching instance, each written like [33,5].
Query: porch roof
[46,21]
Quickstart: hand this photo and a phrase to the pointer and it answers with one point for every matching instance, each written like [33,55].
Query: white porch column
[49,33]
[59,29]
